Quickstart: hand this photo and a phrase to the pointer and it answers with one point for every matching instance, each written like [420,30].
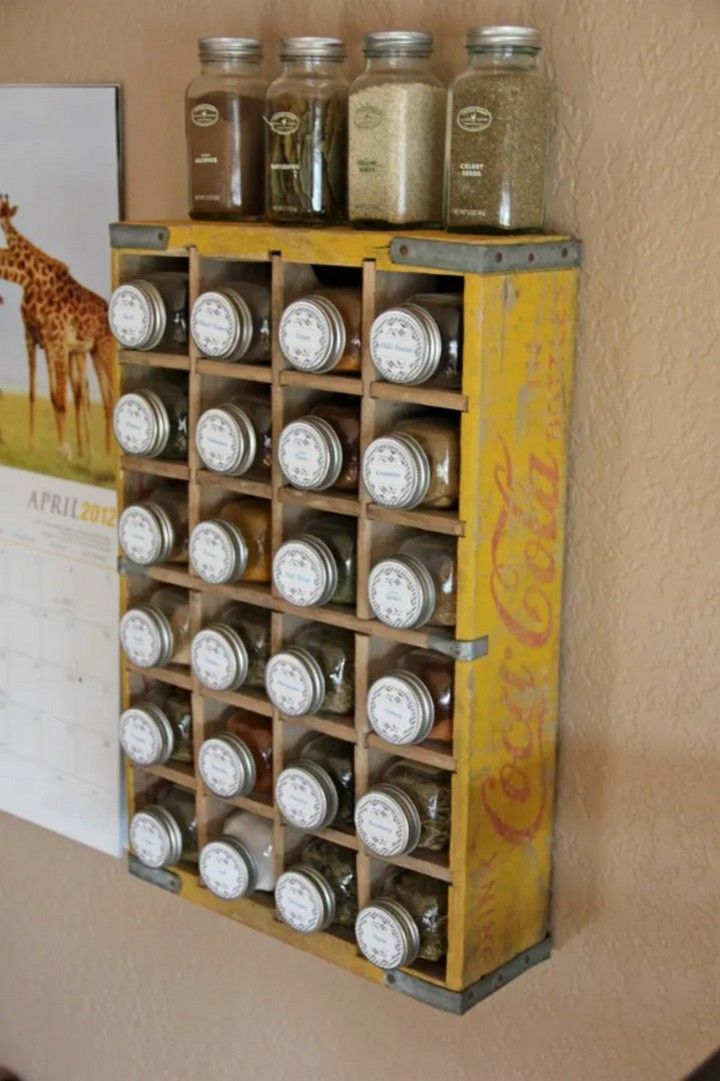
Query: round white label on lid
[149,840]
[212,553]
[304,455]
[221,769]
[398,346]
[380,937]
[224,871]
[299,902]
[214,325]
[396,594]
[382,824]
[130,316]
[300,574]
[219,440]
[139,535]
[289,685]
[305,336]
[213,660]
[300,798]
[140,638]
[395,710]
[390,473]
[140,737]
[134,424]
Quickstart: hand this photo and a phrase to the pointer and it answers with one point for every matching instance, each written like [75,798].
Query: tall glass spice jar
[417,464]
[232,322]
[417,585]
[408,809]
[165,832]
[320,564]
[396,133]
[151,313]
[321,332]
[415,701]
[316,672]
[320,891]
[233,437]
[318,788]
[406,922]
[241,860]
[224,109]
[306,133]
[157,727]
[157,631]
[499,119]
[420,340]
[232,651]
[321,450]
[155,529]
[235,544]
[152,421]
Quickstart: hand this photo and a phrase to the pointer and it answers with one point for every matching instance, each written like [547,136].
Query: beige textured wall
[103,979]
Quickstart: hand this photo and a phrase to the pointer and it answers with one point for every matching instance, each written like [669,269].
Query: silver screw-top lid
[387,934]
[146,636]
[400,708]
[306,795]
[155,837]
[294,682]
[146,735]
[219,657]
[310,453]
[137,315]
[226,440]
[305,900]
[230,49]
[227,868]
[396,471]
[405,344]
[221,324]
[304,571]
[312,334]
[311,48]
[146,533]
[490,37]
[218,551]
[227,766]
[405,42]
[387,821]
[141,423]
[402,592]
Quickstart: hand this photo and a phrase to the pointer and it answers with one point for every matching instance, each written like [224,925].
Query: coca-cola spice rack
[513,409]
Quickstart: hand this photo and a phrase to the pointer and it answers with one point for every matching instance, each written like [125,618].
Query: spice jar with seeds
[414,701]
[418,585]
[499,120]
[155,529]
[165,832]
[232,651]
[406,922]
[157,727]
[319,565]
[237,760]
[241,860]
[408,809]
[316,672]
[321,332]
[396,133]
[233,437]
[320,891]
[417,464]
[306,133]
[420,340]
[321,450]
[318,788]
[224,109]
[152,421]
[234,545]
[151,312]
[232,322]
[157,631]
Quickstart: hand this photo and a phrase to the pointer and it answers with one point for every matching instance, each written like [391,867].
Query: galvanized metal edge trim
[459,1002]
[166,880]
[485,257]
[148,237]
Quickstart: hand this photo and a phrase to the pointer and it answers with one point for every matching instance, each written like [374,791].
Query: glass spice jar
[165,832]
[224,109]
[396,133]
[155,529]
[157,631]
[232,322]
[151,313]
[408,921]
[408,809]
[315,673]
[414,701]
[420,340]
[157,727]
[238,759]
[321,450]
[233,437]
[322,332]
[241,860]
[235,544]
[415,465]
[320,891]
[152,421]
[319,787]
[417,586]
[232,651]
[319,565]
[306,134]
[499,119]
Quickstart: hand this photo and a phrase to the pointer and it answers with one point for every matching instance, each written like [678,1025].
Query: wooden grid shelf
[507,533]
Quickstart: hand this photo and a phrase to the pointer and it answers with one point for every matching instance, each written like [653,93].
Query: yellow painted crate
[513,411]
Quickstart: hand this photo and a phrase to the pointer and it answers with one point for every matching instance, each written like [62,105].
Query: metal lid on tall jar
[406,42]
[221,324]
[386,934]
[146,735]
[312,334]
[155,837]
[218,551]
[228,868]
[227,766]
[220,48]
[396,471]
[146,533]
[400,708]
[136,315]
[312,48]
[141,423]
[226,440]
[304,571]
[310,453]
[405,344]
[387,821]
[146,636]
[491,37]
[306,796]
[295,682]
[218,657]
[401,592]
[305,900]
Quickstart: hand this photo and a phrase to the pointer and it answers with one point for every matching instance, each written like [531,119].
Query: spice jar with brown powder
[224,128]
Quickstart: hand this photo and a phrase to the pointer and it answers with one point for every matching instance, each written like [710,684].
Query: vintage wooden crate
[512,411]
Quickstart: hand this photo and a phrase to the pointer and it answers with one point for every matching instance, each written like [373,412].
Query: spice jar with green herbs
[152,421]
[316,672]
[406,922]
[165,832]
[499,121]
[151,313]
[320,891]
[157,726]
[237,435]
[154,529]
[319,564]
[306,133]
[318,788]
[231,651]
[408,809]
[396,132]
[157,630]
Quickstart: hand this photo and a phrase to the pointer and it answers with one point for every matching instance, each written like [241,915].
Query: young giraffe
[67,321]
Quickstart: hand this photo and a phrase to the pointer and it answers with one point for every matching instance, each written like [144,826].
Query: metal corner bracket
[459,1002]
[166,880]
[147,237]
[460,649]
[486,257]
